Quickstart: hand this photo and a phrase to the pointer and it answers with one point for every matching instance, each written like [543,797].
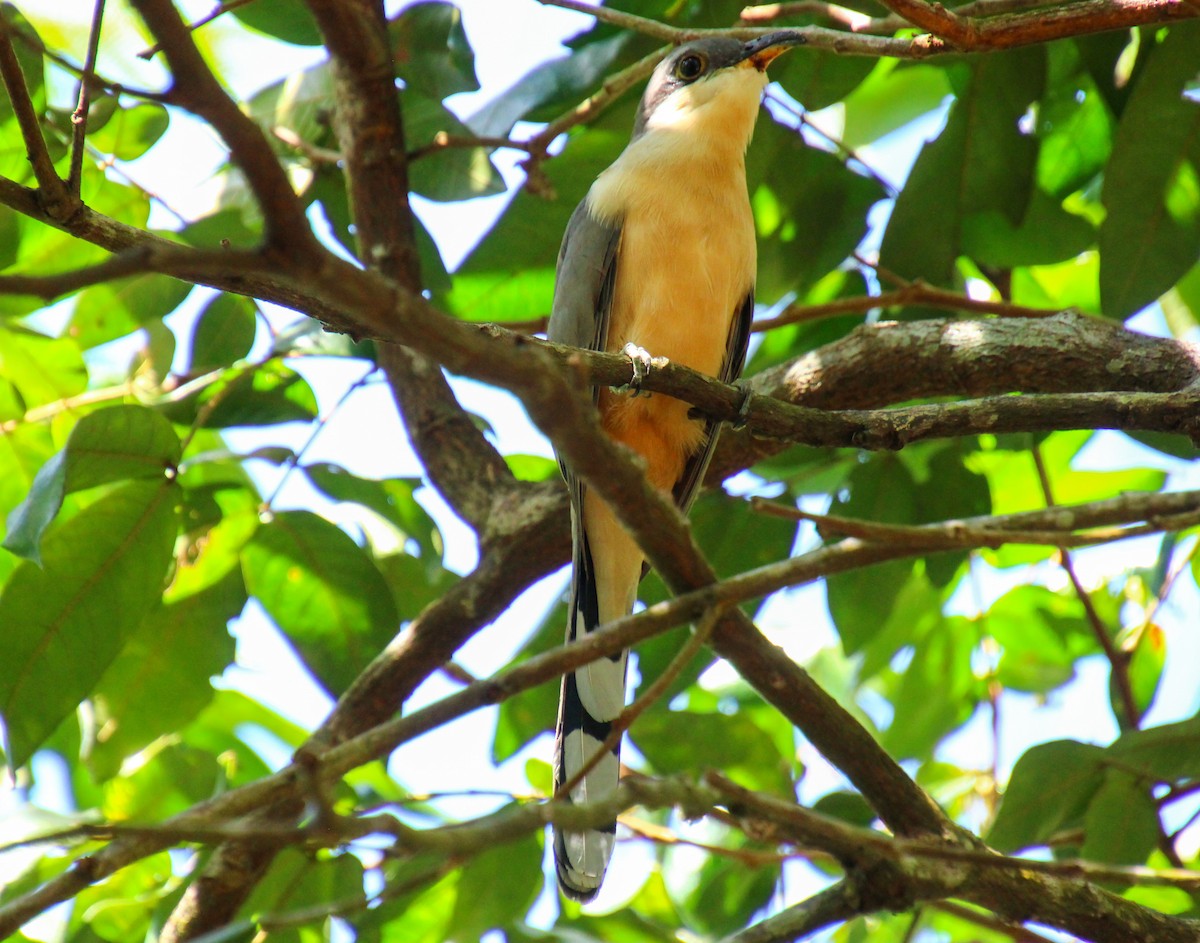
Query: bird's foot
[642,363]
[743,410]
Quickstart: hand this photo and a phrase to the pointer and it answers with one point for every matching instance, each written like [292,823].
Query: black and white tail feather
[591,699]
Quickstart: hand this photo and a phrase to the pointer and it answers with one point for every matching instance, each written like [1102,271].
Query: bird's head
[716,82]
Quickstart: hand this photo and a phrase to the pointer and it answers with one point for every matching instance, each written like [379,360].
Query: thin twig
[54,193]
[221,9]
[316,428]
[1118,661]
[79,117]
[911,295]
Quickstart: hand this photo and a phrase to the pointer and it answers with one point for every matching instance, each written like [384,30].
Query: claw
[743,410]
[642,363]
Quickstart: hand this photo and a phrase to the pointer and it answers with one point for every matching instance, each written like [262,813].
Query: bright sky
[510,37]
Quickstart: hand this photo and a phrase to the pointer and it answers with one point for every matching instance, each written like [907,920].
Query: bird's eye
[689,67]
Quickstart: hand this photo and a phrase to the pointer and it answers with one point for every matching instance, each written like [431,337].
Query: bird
[658,261]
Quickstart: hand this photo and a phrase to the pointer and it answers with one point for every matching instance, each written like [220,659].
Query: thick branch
[949,32]
[970,34]
[195,88]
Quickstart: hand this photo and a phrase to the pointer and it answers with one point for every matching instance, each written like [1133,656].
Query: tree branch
[52,193]
[194,87]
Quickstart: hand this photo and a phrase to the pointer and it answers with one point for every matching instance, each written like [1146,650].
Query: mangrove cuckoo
[659,259]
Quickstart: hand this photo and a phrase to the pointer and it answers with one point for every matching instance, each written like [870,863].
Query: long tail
[590,700]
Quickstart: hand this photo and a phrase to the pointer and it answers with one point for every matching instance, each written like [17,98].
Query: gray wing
[587,263]
[689,483]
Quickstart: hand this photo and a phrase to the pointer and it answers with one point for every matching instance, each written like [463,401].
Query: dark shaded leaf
[979,162]
[860,600]
[1050,789]
[1048,233]
[509,275]
[732,743]
[262,395]
[431,50]
[727,893]
[496,888]
[811,210]
[446,173]
[817,78]
[1121,825]
[1151,234]
[950,490]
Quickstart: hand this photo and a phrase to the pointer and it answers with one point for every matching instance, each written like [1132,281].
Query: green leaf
[130,132]
[1145,670]
[1121,825]
[509,275]
[733,743]
[728,892]
[1041,635]
[260,395]
[1050,788]
[431,50]
[223,333]
[323,591]
[894,94]
[162,677]
[29,519]
[65,622]
[811,210]
[226,228]
[496,888]
[283,19]
[41,369]
[447,173]
[818,78]
[979,162]
[1047,234]
[111,444]
[1151,234]
[30,61]
[298,880]
[121,907]
[936,692]
[860,600]
[1075,128]
[949,490]
[27,448]
[114,309]
[1168,753]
